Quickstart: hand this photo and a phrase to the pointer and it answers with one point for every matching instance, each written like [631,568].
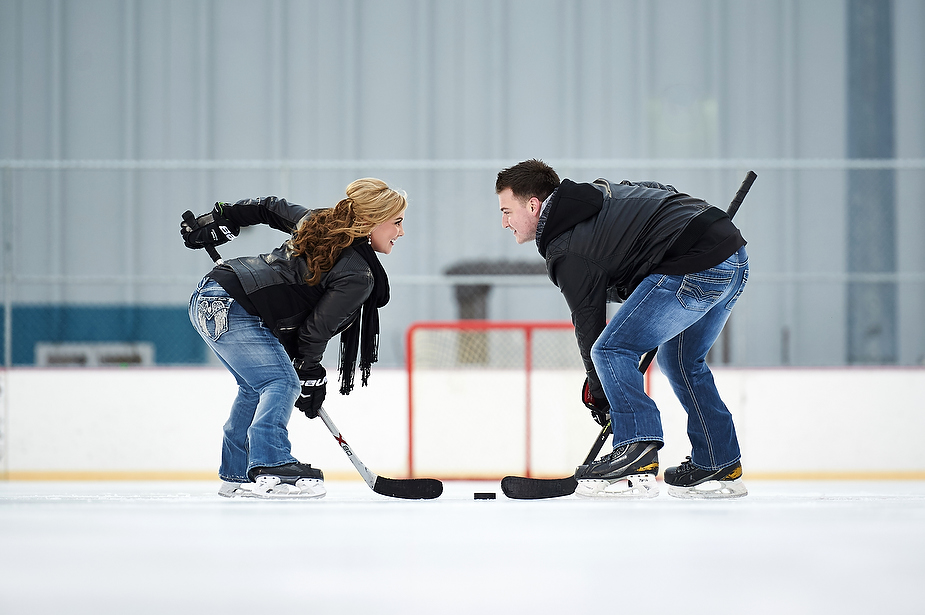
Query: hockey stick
[524,488]
[731,212]
[409,488]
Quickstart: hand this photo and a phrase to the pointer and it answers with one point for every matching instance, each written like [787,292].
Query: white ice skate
[274,487]
[637,486]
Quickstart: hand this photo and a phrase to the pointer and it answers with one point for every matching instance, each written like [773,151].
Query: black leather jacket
[272,286]
[600,240]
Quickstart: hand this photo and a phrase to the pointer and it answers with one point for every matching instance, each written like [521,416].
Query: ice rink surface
[177,547]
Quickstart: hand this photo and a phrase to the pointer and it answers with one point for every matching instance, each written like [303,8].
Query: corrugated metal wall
[116,116]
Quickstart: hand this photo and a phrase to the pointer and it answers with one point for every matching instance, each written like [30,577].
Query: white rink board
[169,420]
[822,420]
[473,423]
[468,423]
[562,428]
[57,422]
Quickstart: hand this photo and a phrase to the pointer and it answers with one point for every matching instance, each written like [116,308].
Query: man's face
[521,216]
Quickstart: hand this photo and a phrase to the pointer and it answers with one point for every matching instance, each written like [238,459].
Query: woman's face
[383,236]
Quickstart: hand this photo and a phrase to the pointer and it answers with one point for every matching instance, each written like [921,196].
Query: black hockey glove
[314,384]
[600,409]
[211,229]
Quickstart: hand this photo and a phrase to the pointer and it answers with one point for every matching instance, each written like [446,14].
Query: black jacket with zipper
[272,286]
[600,240]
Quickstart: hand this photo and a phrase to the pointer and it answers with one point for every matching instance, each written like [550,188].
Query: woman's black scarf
[367,339]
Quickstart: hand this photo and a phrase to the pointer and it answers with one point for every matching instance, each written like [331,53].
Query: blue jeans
[255,434]
[682,316]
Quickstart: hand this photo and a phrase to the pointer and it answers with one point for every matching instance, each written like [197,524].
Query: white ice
[177,547]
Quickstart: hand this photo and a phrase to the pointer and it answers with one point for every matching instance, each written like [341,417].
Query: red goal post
[490,398]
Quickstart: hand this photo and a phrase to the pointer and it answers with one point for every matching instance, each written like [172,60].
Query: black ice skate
[628,472]
[690,482]
[290,481]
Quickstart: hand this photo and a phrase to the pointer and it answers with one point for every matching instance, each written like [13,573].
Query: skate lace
[615,453]
[686,466]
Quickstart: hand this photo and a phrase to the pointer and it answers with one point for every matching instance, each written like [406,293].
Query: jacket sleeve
[277,213]
[346,289]
[584,286]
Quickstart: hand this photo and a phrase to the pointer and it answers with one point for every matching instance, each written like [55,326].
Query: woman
[269,319]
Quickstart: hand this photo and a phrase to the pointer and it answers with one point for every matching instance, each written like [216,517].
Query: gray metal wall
[116,116]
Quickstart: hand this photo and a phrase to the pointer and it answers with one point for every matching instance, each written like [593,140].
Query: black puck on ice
[485,496]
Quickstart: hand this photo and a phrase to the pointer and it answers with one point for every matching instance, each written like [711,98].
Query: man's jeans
[255,434]
[682,316]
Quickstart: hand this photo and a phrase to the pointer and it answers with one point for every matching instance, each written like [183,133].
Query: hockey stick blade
[409,488]
[523,488]
[405,488]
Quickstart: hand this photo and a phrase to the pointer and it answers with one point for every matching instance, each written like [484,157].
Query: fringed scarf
[365,338]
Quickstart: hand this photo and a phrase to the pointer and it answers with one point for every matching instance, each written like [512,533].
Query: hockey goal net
[488,398]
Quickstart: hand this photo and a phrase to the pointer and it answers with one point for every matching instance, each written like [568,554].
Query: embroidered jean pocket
[700,291]
[213,315]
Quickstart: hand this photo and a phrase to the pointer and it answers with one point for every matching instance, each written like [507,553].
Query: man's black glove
[211,229]
[600,409]
[313,380]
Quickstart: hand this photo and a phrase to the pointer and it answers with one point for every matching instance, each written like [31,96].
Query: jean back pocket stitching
[214,309]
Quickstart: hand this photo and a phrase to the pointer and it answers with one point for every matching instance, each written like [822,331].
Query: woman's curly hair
[322,235]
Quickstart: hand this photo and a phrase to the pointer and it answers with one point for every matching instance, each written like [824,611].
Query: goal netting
[488,398]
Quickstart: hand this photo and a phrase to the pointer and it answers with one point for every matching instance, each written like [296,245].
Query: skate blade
[638,486]
[710,490]
[273,488]
[237,490]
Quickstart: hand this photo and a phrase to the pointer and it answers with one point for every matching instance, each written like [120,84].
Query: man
[678,265]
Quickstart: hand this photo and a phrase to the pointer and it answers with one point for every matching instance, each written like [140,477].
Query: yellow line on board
[94,475]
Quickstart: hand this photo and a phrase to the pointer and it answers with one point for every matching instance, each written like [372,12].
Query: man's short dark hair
[527,179]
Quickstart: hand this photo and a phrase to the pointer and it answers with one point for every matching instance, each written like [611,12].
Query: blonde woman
[269,318]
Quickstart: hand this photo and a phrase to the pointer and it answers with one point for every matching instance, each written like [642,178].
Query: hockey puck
[485,496]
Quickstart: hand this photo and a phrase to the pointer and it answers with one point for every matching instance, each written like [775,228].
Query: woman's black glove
[314,384]
[211,229]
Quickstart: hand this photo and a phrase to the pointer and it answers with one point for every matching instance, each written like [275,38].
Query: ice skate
[290,481]
[690,482]
[628,472]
